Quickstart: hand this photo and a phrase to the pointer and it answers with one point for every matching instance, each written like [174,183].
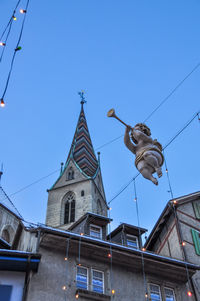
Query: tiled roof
[81,149]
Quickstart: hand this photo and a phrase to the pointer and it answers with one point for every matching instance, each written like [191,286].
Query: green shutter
[196,240]
[196,206]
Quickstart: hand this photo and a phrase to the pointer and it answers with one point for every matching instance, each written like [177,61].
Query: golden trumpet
[111,113]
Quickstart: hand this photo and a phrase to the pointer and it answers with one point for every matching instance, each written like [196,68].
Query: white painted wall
[16,279]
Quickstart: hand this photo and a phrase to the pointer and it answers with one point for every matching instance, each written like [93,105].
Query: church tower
[79,188]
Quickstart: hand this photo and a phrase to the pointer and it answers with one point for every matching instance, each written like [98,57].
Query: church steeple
[79,188]
[81,150]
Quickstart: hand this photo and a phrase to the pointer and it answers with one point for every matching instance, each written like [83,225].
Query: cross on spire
[81,94]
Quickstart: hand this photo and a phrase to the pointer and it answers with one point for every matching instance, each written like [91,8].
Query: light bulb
[113,292]
[22,11]
[14,18]
[189,293]
[2,103]
[77,296]
[2,44]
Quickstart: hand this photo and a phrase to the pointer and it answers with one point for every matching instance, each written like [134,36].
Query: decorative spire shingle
[81,149]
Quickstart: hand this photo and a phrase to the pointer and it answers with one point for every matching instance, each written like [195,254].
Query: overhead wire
[15,51]
[11,18]
[161,103]
[178,133]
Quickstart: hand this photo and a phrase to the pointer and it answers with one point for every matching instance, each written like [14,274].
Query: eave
[11,260]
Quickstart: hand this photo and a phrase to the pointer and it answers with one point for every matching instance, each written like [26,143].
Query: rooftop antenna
[81,94]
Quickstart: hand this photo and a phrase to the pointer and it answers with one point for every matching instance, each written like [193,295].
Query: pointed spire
[82,149]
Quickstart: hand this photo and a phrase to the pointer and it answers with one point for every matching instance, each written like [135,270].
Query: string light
[77,296]
[146,295]
[109,255]
[110,208]
[189,293]
[18,48]
[135,199]
[183,243]
[81,234]
[22,11]
[2,44]
[166,170]
[65,258]
[79,264]
[2,103]
[143,249]
[14,18]
[64,287]
[113,292]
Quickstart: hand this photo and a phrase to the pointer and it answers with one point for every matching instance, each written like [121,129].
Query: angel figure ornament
[149,158]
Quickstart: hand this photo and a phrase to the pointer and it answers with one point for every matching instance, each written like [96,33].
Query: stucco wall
[16,279]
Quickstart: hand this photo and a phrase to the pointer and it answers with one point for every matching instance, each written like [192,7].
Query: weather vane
[148,152]
[81,94]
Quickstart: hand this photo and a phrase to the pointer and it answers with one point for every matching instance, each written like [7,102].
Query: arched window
[5,235]
[82,192]
[99,208]
[70,174]
[69,208]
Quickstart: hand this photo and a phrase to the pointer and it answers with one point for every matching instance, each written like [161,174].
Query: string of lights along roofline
[17,47]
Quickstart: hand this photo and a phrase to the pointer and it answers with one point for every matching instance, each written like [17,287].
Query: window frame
[98,227]
[169,288]
[132,236]
[103,283]
[160,293]
[82,267]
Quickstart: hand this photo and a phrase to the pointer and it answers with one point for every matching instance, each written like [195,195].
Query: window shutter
[196,240]
[196,206]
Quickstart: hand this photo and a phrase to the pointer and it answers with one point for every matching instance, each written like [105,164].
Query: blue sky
[125,54]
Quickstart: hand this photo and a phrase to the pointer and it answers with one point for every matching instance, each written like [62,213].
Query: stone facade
[172,235]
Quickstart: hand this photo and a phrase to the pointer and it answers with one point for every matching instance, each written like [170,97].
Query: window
[6,235]
[155,292]
[196,206]
[82,192]
[95,231]
[196,240]
[69,208]
[97,281]
[70,174]
[82,278]
[169,294]
[132,241]
[5,292]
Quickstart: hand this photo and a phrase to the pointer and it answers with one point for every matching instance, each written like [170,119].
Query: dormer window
[95,231]
[132,241]
[70,174]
